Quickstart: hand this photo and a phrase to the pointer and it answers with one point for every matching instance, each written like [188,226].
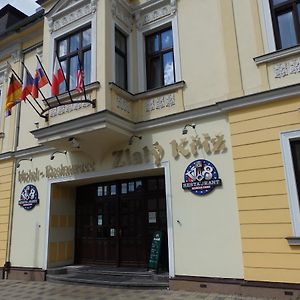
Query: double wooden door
[115,221]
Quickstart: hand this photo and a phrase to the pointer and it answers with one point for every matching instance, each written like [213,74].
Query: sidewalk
[13,289]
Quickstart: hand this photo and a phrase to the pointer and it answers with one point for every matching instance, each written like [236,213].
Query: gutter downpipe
[7,264]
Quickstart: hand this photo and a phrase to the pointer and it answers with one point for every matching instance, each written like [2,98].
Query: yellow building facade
[187,125]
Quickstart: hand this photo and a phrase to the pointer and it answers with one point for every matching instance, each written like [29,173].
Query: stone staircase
[109,276]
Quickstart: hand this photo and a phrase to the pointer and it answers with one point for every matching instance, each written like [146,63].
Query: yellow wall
[5,196]
[261,190]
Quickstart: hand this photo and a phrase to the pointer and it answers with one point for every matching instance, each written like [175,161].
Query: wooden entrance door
[115,221]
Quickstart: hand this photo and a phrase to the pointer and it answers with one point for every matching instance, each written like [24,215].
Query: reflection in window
[68,49]
[121,59]
[286,30]
[100,191]
[113,189]
[160,59]
[131,186]
[285,16]
[124,188]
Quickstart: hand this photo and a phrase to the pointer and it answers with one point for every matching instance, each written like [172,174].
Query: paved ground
[17,290]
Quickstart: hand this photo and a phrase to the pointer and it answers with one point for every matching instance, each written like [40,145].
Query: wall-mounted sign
[201,177]
[52,172]
[29,197]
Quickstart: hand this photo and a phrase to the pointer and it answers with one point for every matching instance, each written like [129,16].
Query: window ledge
[293,240]
[150,93]
[276,55]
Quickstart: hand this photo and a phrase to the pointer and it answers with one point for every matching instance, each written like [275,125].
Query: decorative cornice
[72,16]
[154,13]
[122,13]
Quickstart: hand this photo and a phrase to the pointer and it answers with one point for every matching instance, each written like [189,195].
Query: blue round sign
[29,197]
[201,177]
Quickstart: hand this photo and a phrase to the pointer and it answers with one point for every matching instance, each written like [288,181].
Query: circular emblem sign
[29,197]
[201,177]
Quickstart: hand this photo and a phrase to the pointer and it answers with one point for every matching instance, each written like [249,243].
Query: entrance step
[109,276]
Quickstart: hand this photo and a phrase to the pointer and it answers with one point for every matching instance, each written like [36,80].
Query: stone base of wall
[29,274]
[237,287]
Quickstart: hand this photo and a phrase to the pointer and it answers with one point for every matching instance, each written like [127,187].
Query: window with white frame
[290,142]
[286,22]
[160,58]
[72,49]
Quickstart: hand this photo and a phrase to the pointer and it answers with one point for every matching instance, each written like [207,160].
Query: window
[68,49]
[160,59]
[286,22]
[121,59]
[290,142]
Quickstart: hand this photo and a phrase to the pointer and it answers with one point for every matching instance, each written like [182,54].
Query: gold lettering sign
[55,172]
[125,157]
[209,145]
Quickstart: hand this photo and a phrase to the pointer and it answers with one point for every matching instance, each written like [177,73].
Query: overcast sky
[26,6]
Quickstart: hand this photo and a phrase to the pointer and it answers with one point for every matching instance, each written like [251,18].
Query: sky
[26,6]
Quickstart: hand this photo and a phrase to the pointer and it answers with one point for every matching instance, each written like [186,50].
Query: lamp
[74,142]
[185,128]
[52,155]
[132,137]
[18,163]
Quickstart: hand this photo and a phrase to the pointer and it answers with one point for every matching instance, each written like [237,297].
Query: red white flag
[57,77]
[79,79]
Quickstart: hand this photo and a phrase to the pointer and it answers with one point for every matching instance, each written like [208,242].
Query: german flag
[14,94]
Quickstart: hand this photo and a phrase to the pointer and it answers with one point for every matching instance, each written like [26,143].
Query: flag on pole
[39,81]
[27,84]
[57,77]
[79,79]
[13,95]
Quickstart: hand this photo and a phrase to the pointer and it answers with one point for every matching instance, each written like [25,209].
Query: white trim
[47,226]
[152,27]
[88,19]
[267,21]
[117,171]
[293,197]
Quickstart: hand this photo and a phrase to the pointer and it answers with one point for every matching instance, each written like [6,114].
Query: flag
[27,84]
[39,81]
[13,95]
[79,79]
[57,77]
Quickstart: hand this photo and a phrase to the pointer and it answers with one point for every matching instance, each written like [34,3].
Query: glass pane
[168,68]
[167,39]
[62,48]
[86,35]
[153,43]
[131,186]
[154,73]
[124,188]
[62,86]
[120,71]
[120,41]
[100,191]
[105,190]
[275,2]
[113,189]
[138,185]
[73,72]
[87,66]
[287,30]
[74,42]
